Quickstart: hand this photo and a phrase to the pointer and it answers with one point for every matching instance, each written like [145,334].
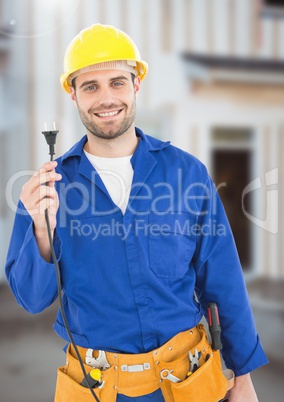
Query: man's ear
[137,83]
[73,95]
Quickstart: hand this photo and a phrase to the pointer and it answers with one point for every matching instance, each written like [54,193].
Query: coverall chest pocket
[171,244]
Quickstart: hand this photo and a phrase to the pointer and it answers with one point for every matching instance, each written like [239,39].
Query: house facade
[214,88]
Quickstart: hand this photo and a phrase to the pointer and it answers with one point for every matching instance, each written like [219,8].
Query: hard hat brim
[65,79]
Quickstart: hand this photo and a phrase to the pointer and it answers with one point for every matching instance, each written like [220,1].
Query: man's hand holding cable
[39,194]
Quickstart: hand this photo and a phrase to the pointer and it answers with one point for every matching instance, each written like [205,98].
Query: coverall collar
[143,161]
[152,144]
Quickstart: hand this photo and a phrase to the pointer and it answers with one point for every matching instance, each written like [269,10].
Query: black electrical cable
[50,137]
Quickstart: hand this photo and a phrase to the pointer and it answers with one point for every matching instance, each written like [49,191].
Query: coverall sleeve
[220,279]
[31,278]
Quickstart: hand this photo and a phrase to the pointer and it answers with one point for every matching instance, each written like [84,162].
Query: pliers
[194,360]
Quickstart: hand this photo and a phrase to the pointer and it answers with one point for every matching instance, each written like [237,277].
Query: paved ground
[30,353]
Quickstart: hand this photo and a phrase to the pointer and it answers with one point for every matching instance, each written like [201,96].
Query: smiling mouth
[108,114]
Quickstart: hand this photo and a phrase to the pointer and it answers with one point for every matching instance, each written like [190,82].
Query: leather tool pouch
[69,377]
[206,384]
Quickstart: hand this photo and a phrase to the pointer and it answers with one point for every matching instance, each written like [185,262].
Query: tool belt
[140,374]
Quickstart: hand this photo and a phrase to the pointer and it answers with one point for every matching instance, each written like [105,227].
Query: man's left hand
[243,390]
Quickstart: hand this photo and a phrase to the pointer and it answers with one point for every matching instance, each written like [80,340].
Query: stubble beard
[110,130]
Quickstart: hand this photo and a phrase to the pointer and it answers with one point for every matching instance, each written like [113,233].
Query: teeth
[107,114]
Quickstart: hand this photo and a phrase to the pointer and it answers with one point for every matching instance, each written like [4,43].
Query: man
[143,245]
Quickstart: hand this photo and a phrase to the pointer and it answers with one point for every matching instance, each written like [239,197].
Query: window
[273,8]
[273,3]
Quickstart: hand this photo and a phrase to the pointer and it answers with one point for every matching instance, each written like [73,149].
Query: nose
[106,96]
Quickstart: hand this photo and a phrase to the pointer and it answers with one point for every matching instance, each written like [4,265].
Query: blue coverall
[131,282]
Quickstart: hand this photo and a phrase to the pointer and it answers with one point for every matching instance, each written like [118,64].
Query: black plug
[50,137]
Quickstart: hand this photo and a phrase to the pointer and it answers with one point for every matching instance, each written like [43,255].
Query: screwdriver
[214,326]
[94,379]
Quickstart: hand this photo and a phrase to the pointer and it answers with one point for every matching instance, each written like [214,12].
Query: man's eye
[90,88]
[117,84]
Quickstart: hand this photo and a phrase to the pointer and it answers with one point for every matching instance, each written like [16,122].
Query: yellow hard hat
[99,45]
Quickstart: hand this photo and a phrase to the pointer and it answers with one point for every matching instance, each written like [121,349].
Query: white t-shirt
[117,175]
